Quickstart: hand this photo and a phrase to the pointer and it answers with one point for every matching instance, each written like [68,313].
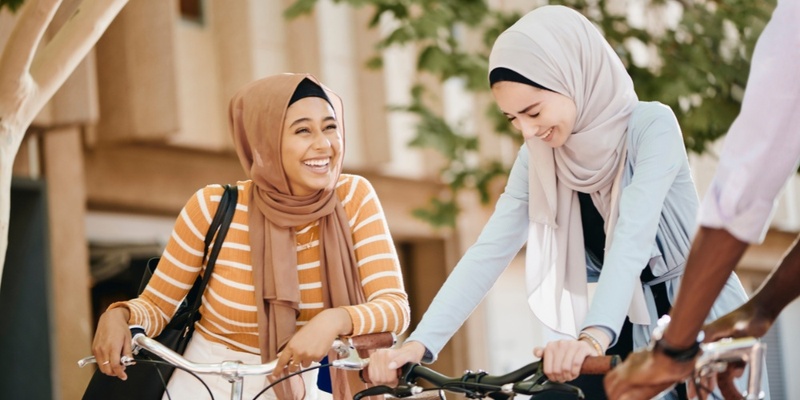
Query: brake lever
[404,390]
[400,391]
[539,383]
[557,388]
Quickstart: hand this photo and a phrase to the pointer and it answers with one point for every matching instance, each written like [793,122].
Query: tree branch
[24,40]
[54,64]
[9,144]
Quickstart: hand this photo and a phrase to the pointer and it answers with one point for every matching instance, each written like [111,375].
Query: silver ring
[106,363]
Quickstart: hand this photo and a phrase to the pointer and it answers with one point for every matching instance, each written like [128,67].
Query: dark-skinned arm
[781,287]
[712,258]
[644,374]
[755,317]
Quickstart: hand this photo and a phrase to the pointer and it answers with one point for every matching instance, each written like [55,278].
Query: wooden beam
[160,179]
[153,179]
[71,305]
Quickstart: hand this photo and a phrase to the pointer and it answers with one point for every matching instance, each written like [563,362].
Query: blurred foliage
[12,5]
[698,66]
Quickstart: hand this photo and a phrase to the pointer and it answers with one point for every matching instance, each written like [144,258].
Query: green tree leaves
[696,52]
[12,5]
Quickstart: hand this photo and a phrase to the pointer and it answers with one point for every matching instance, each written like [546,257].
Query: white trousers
[184,386]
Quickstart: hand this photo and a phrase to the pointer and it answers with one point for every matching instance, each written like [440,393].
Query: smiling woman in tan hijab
[308,257]
[601,192]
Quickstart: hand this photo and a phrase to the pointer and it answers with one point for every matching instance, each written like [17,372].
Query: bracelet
[592,341]
[678,355]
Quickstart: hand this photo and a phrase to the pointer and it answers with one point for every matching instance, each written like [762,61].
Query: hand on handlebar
[527,380]
[563,358]
[112,341]
[645,374]
[312,342]
[384,363]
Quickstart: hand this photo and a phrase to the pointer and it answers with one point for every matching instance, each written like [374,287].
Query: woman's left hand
[563,359]
[313,341]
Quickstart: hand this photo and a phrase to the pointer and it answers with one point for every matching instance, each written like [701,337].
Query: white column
[340,70]
[399,73]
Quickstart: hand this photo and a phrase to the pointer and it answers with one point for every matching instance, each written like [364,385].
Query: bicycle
[235,371]
[527,380]
[348,350]
[531,380]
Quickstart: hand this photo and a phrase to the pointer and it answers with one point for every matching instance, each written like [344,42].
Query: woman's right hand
[384,363]
[111,341]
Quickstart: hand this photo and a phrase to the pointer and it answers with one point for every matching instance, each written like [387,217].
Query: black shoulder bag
[146,380]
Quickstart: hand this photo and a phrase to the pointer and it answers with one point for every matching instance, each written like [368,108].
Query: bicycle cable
[160,362]
[452,386]
[283,378]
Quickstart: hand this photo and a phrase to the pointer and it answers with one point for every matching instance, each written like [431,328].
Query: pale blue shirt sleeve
[499,242]
[762,148]
[659,155]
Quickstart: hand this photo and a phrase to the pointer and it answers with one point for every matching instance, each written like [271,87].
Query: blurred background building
[142,124]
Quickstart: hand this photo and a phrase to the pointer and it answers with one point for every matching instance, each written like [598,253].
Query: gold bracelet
[592,341]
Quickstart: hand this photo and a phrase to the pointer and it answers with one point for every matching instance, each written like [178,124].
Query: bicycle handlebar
[530,379]
[527,380]
[717,355]
[591,366]
[346,348]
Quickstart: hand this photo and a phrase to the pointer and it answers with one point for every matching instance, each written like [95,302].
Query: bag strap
[219,226]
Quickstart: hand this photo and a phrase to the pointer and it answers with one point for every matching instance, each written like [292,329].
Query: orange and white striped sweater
[228,307]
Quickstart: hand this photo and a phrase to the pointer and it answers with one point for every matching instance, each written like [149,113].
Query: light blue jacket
[658,207]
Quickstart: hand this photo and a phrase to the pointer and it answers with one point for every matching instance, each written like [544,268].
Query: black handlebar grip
[599,365]
[372,341]
[373,391]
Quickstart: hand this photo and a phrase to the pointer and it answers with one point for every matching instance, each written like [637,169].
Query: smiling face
[311,145]
[539,114]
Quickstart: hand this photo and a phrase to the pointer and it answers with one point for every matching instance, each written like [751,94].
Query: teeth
[317,163]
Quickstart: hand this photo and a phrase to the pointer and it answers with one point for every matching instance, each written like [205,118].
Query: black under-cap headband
[500,74]
[307,88]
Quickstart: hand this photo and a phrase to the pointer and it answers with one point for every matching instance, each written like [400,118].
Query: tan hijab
[560,49]
[257,113]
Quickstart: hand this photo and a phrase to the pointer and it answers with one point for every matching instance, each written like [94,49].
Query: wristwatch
[680,355]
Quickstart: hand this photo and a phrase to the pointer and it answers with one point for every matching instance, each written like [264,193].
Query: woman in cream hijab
[601,192]
[308,256]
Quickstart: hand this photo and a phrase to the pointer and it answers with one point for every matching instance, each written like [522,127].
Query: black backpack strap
[219,226]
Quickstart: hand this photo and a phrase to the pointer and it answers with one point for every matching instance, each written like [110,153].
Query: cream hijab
[560,49]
